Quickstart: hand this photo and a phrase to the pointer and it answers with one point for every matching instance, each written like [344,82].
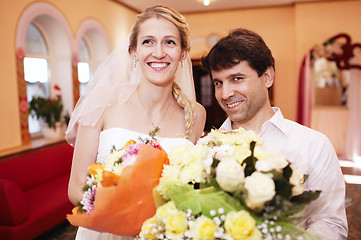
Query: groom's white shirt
[313,154]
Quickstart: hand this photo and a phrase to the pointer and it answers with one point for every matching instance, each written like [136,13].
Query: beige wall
[289,32]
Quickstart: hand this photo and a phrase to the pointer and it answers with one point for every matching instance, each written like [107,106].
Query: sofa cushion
[48,204]
[49,198]
[14,209]
[30,169]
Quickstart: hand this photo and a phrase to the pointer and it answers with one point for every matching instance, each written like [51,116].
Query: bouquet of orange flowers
[118,194]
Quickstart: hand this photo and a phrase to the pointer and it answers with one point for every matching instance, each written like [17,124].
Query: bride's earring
[182,63]
[135,63]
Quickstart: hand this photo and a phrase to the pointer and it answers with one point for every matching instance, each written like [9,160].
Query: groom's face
[240,92]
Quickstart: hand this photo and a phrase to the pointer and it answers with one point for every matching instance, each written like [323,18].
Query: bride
[142,85]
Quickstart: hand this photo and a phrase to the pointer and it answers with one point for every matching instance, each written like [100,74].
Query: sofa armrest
[14,208]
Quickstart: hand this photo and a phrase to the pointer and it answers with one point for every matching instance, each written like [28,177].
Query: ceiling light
[206,2]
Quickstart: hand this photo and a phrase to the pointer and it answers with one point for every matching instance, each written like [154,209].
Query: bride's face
[158,50]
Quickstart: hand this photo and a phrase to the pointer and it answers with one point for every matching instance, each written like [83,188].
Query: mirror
[329,62]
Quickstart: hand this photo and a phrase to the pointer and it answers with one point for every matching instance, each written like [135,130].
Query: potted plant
[48,110]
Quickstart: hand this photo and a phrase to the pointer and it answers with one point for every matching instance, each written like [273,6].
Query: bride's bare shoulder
[117,114]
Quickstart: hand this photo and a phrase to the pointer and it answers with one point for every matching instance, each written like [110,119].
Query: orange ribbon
[122,209]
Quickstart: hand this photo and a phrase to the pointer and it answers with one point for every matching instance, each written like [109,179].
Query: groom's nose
[227,90]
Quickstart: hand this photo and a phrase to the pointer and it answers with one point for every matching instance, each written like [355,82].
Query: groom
[242,70]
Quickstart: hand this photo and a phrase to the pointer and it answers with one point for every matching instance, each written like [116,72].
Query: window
[84,70]
[92,46]
[43,41]
[36,70]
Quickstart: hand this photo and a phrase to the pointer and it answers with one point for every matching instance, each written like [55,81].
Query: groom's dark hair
[240,45]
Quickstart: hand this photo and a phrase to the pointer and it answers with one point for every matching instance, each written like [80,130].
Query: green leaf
[213,183]
[287,172]
[283,188]
[203,200]
[306,197]
[48,110]
[218,200]
[250,161]
[184,197]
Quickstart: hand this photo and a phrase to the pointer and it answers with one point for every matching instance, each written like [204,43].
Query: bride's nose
[159,51]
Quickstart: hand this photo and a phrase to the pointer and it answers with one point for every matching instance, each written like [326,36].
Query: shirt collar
[276,120]
[226,126]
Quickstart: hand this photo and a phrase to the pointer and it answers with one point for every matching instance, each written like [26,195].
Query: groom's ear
[269,77]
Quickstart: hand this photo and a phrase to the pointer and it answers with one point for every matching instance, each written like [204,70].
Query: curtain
[305,92]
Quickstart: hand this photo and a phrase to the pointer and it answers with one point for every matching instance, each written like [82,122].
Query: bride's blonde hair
[179,21]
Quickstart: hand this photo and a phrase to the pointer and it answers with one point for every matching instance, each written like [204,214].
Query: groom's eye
[217,83]
[238,78]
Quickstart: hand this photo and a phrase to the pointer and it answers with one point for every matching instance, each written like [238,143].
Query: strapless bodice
[119,136]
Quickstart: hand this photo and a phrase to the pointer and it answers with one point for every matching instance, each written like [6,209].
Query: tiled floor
[353,202]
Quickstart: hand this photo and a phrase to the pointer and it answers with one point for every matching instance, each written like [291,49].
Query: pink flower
[130,154]
[133,149]
[88,200]
[155,144]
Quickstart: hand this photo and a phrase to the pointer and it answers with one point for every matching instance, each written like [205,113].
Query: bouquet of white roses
[228,187]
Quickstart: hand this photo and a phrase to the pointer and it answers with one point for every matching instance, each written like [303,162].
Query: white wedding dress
[118,137]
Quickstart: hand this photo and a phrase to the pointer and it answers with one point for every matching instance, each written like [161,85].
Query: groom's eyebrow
[215,80]
[230,76]
[238,74]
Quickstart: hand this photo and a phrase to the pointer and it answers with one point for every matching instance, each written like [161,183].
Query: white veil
[115,80]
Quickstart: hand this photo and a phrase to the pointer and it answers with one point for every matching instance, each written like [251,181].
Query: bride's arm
[85,152]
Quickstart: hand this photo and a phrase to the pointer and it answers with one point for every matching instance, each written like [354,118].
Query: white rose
[260,188]
[223,151]
[274,161]
[230,175]
[297,181]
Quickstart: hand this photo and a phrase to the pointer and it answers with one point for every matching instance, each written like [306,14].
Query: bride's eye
[147,41]
[170,42]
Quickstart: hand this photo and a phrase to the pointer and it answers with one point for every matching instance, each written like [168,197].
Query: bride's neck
[153,96]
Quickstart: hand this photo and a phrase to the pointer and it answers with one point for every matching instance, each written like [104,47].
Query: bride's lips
[158,65]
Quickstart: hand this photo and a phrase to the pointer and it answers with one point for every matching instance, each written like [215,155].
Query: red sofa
[33,191]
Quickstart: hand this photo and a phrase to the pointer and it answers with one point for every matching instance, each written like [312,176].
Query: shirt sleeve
[326,216]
